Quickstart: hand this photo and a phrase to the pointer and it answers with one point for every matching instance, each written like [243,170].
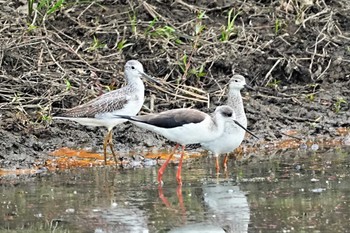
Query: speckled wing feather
[108,102]
[172,118]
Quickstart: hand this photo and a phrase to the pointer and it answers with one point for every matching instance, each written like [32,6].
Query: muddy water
[291,192]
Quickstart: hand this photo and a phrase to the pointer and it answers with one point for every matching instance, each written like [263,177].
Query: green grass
[339,104]
[277,26]
[96,44]
[274,83]
[44,7]
[122,44]
[68,85]
[310,97]
[133,21]
[229,29]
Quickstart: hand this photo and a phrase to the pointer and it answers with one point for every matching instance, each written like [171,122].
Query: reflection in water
[298,192]
[229,205]
[227,211]
[198,228]
[125,219]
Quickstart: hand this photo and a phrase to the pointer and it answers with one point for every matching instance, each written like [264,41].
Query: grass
[96,45]
[165,32]
[229,29]
[122,44]
[133,21]
[310,97]
[274,83]
[43,9]
[339,104]
[186,63]
[151,25]
[278,24]
[68,85]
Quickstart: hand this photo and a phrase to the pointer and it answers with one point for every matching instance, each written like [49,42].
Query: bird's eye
[133,67]
[236,80]
[228,114]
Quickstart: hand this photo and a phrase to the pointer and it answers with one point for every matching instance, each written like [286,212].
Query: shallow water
[289,192]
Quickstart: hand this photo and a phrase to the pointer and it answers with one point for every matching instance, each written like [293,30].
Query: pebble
[318,190]
[315,147]
[149,162]
[314,180]
[70,210]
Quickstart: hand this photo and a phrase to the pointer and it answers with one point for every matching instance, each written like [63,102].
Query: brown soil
[296,54]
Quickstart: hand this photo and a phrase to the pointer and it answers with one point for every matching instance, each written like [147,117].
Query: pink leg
[162,197]
[178,174]
[162,168]
[181,201]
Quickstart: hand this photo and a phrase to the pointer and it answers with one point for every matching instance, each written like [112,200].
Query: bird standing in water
[184,126]
[127,100]
[233,134]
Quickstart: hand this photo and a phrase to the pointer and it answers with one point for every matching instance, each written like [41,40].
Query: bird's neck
[136,84]
[218,123]
[235,101]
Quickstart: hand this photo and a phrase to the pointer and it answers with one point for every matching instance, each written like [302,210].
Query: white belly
[231,138]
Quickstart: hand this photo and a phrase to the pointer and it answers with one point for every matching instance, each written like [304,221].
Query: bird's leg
[162,197]
[179,168]
[225,162]
[181,201]
[162,168]
[217,164]
[110,142]
[105,142]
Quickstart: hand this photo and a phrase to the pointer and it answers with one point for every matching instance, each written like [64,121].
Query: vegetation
[58,53]
[229,29]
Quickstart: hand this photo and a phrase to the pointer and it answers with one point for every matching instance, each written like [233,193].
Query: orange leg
[162,197]
[225,162]
[217,164]
[179,168]
[181,201]
[162,168]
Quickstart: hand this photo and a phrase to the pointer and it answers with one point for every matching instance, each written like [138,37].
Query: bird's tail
[130,118]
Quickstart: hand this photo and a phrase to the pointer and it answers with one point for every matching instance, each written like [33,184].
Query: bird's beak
[249,87]
[150,78]
[247,130]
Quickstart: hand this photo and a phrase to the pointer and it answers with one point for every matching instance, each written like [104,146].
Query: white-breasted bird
[184,126]
[233,134]
[100,111]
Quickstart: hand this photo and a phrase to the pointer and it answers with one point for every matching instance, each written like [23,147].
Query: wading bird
[127,100]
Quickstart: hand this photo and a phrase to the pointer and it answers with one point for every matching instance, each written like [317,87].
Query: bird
[184,126]
[127,100]
[233,134]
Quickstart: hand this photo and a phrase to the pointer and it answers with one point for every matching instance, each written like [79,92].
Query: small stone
[314,147]
[70,210]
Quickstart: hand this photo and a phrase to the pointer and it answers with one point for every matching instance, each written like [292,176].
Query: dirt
[295,54]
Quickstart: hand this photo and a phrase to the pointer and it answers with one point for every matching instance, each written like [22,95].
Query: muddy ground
[296,54]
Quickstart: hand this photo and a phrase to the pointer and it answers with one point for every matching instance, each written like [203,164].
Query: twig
[270,71]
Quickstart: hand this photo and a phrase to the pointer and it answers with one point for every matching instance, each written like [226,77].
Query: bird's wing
[108,102]
[172,118]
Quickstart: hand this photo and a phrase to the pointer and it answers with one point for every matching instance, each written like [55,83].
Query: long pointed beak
[150,78]
[249,87]
[247,130]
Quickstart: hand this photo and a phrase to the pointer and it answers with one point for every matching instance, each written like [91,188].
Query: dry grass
[79,52]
